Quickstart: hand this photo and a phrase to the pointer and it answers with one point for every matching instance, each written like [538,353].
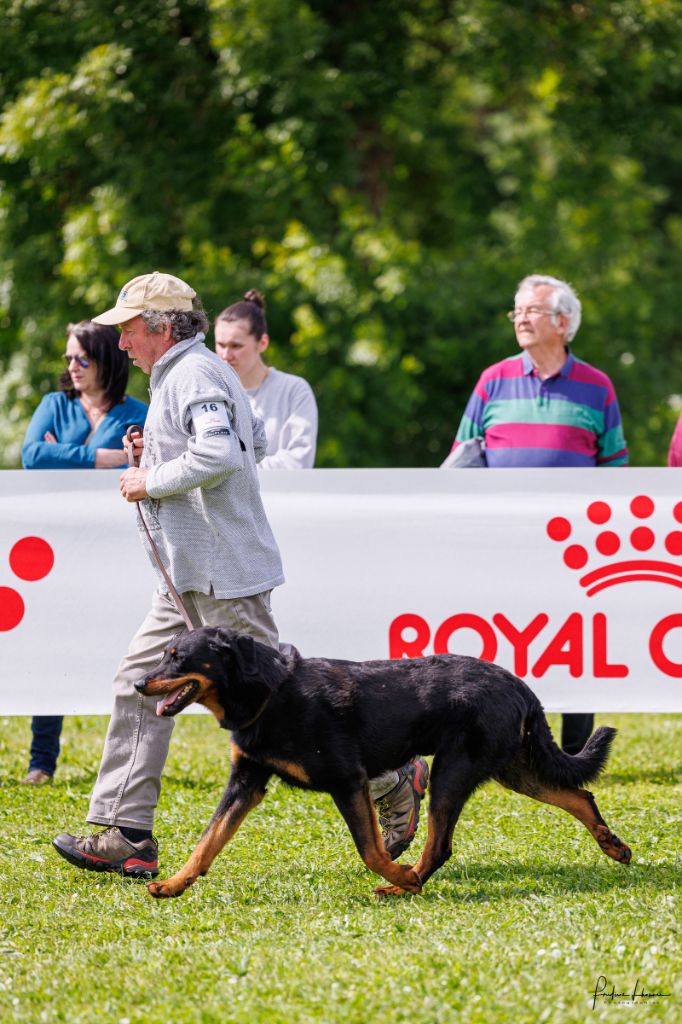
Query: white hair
[563,300]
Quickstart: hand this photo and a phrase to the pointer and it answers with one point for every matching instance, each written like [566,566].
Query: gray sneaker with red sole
[110,851]
[399,808]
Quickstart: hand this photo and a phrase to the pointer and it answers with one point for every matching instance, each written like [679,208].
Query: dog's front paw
[395,890]
[163,890]
[410,882]
[389,890]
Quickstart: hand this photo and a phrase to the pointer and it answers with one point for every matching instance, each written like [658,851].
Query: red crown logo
[607,543]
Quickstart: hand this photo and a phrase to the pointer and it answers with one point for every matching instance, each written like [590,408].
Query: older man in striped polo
[544,407]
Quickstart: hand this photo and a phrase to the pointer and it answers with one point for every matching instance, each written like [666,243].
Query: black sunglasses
[81,360]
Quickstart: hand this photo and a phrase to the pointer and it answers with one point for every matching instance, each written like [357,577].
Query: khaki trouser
[135,751]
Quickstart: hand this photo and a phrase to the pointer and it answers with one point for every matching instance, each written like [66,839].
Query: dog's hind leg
[578,802]
[245,790]
[582,805]
[358,813]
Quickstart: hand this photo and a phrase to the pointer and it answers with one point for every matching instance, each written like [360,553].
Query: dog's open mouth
[178,699]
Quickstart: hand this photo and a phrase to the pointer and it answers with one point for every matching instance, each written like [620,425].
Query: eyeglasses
[81,360]
[531,311]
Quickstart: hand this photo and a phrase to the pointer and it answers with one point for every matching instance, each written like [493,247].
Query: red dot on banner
[642,507]
[11,609]
[31,558]
[677,512]
[673,543]
[607,543]
[642,538]
[558,528]
[599,512]
[575,557]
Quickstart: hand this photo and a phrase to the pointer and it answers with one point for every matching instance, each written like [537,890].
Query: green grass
[517,927]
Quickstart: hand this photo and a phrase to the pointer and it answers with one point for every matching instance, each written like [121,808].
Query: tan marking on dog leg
[218,833]
[425,865]
[441,822]
[361,819]
[582,805]
[290,768]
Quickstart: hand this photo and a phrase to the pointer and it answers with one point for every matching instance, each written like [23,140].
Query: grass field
[518,926]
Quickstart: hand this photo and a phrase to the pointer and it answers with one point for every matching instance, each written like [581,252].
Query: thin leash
[133,431]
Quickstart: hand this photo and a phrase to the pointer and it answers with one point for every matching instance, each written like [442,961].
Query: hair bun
[256,297]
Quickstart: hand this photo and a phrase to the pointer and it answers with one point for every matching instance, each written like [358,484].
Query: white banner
[570,578]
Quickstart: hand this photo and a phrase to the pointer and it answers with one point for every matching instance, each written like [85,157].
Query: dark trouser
[46,731]
[575,731]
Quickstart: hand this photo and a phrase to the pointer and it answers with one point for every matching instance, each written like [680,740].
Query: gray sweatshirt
[286,405]
[201,447]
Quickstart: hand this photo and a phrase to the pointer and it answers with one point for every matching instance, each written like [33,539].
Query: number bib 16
[209,416]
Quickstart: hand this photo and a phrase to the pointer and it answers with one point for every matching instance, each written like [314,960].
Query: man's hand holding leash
[133,440]
[133,485]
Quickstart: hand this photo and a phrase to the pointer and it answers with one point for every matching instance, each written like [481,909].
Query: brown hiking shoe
[110,851]
[399,808]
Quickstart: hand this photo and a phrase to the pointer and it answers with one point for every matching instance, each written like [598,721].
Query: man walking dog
[198,487]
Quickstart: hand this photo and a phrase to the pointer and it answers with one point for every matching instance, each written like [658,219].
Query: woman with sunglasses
[79,427]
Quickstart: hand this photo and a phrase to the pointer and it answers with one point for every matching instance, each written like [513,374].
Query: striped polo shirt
[570,419]
[675,452]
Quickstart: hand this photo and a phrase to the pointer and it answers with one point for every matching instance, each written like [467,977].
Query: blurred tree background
[384,170]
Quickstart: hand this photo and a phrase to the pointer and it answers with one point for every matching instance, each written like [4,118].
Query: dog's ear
[220,639]
[253,671]
[256,661]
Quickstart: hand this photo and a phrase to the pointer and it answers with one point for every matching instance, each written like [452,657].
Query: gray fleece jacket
[201,446]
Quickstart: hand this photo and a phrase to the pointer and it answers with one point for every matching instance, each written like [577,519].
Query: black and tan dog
[331,725]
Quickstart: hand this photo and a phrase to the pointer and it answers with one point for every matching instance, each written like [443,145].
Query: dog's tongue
[168,699]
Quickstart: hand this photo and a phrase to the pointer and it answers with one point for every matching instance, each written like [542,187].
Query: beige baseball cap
[149,291]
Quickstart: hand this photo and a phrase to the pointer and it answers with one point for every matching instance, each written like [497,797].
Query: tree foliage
[385,170]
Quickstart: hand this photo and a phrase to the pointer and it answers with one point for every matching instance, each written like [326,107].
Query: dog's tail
[553,766]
